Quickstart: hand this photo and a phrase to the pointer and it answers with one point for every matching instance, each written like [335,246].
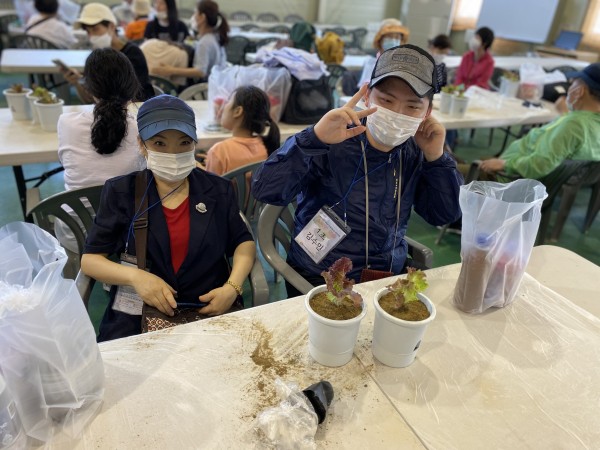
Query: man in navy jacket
[395,142]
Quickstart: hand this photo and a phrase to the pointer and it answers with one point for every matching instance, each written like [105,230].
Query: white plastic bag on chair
[48,351]
[499,225]
[275,81]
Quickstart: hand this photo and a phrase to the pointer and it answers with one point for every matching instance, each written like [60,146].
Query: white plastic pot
[331,342]
[18,104]
[445,102]
[396,341]
[34,114]
[458,108]
[48,114]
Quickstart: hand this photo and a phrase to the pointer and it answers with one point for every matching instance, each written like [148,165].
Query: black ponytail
[110,78]
[215,20]
[257,115]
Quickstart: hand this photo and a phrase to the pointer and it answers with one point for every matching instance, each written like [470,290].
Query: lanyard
[363,159]
[397,193]
[138,214]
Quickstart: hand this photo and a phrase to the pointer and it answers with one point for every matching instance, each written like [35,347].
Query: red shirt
[475,73]
[178,224]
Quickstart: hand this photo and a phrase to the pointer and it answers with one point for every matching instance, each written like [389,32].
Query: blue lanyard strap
[355,180]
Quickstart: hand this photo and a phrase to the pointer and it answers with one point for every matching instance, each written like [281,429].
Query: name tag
[126,299]
[322,234]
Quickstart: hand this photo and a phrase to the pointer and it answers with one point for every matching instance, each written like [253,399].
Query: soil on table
[321,304]
[412,311]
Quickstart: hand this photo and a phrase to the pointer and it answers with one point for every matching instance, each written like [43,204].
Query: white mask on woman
[389,42]
[390,128]
[171,166]
[162,15]
[102,41]
[474,43]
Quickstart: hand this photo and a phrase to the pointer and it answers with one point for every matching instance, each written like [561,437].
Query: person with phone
[101,26]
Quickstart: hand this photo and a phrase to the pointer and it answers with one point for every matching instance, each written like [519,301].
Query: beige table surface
[524,376]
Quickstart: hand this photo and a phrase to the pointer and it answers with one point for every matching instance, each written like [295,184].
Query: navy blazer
[214,235]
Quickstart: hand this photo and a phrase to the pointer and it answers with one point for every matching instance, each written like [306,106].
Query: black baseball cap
[409,63]
[590,75]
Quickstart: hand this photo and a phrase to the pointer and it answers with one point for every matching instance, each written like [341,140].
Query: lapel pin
[201,208]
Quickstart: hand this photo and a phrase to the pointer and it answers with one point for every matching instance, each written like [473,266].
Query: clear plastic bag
[499,226]
[290,425]
[532,78]
[275,81]
[49,356]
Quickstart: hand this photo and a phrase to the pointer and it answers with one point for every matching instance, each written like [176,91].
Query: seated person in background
[210,48]
[247,115]
[393,150]
[166,24]
[124,13]
[391,34]
[477,65]
[94,146]
[46,25]
[101,26]
[134,30]
[166,54]
[330,48]
[302,36]
[193,223]
[574,135]
[439,47]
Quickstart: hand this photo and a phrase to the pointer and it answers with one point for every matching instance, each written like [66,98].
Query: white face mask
[387,43]
[102,41]
[474,43]
[390,128]
[171,166]
[162,15]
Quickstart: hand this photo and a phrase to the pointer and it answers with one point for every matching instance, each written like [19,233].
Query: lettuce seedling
[405,290]
[338,286]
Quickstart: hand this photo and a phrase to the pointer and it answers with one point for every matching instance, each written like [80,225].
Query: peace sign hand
[333,126]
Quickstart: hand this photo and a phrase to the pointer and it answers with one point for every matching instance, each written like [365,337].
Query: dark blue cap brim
[585,77]
[153,129]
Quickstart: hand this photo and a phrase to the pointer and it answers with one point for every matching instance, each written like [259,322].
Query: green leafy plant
[39,91]
[449,89]
[510,76]
[405,290]
[16,88]
[338,286]
[45,96]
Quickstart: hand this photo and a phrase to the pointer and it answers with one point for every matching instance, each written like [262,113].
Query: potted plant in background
[334,315]
[446,98]
[17,101]
[49,108]
[37,93]
[402,314]
[459,102]
[509,84]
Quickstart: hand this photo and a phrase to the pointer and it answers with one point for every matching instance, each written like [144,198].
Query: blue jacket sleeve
[436,199]
[287,171]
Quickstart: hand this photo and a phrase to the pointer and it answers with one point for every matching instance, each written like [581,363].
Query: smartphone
[61,64]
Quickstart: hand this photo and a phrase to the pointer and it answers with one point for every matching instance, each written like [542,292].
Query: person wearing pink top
[247,115]
[477,65]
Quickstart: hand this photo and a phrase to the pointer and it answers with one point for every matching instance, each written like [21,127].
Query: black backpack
[308,101]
